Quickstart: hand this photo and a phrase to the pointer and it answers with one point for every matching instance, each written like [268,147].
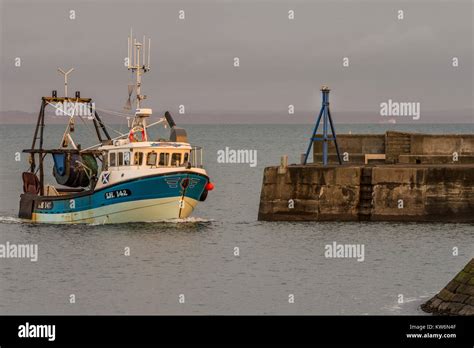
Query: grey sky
[282,61]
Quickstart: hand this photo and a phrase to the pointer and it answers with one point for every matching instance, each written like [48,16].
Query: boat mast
[139,64]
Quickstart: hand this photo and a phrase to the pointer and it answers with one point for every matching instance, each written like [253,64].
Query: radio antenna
[65,73]
[135,49]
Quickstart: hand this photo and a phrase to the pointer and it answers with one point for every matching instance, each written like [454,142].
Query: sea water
[222,260]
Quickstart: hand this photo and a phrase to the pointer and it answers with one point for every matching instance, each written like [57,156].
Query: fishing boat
[128,178]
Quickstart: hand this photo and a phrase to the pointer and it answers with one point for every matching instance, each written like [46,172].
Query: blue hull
[140,193]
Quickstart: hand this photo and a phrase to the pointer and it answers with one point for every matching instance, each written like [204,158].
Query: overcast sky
[282,61]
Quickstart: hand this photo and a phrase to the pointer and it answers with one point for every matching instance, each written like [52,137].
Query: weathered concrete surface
[428,193]
[456,298]
[401,147]
[310,193]
[435,159]
[355,145]
[445,144]
[377,193]
[424,177]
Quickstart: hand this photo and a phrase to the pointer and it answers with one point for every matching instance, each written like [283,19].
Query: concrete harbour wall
[415,177]
[376,193]
[401,147]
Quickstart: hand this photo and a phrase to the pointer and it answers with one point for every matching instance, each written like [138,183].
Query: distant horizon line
[266,111]
[270,123]
[454,116]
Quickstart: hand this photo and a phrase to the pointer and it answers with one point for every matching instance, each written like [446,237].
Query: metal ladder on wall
[365,195]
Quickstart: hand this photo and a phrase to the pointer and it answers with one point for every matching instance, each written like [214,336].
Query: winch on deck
[74,170]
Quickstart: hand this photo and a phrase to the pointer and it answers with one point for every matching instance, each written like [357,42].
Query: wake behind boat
[129,178]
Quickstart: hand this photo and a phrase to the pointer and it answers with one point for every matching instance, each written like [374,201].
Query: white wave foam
[188,220]
[11,220]
[183,221]
[397,307]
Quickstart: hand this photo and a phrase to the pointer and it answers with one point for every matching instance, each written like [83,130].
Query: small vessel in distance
[130,178]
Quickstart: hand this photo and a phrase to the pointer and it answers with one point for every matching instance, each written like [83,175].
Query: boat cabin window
[151,159]
[186,157]
[138,158]
[164,158]
[119,158]
[126,158]
[112,159]
[176,159]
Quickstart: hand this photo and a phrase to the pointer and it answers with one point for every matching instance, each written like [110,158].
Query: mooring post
[283,164]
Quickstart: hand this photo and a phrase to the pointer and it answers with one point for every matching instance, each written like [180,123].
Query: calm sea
[195,257]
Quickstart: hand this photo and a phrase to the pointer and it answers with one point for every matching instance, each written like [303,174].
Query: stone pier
[413,177]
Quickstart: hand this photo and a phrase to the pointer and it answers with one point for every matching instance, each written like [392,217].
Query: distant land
[258,117]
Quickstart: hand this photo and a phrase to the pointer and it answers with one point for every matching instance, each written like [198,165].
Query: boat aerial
[129,178]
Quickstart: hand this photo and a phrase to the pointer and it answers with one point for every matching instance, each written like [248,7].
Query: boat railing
[196,157]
